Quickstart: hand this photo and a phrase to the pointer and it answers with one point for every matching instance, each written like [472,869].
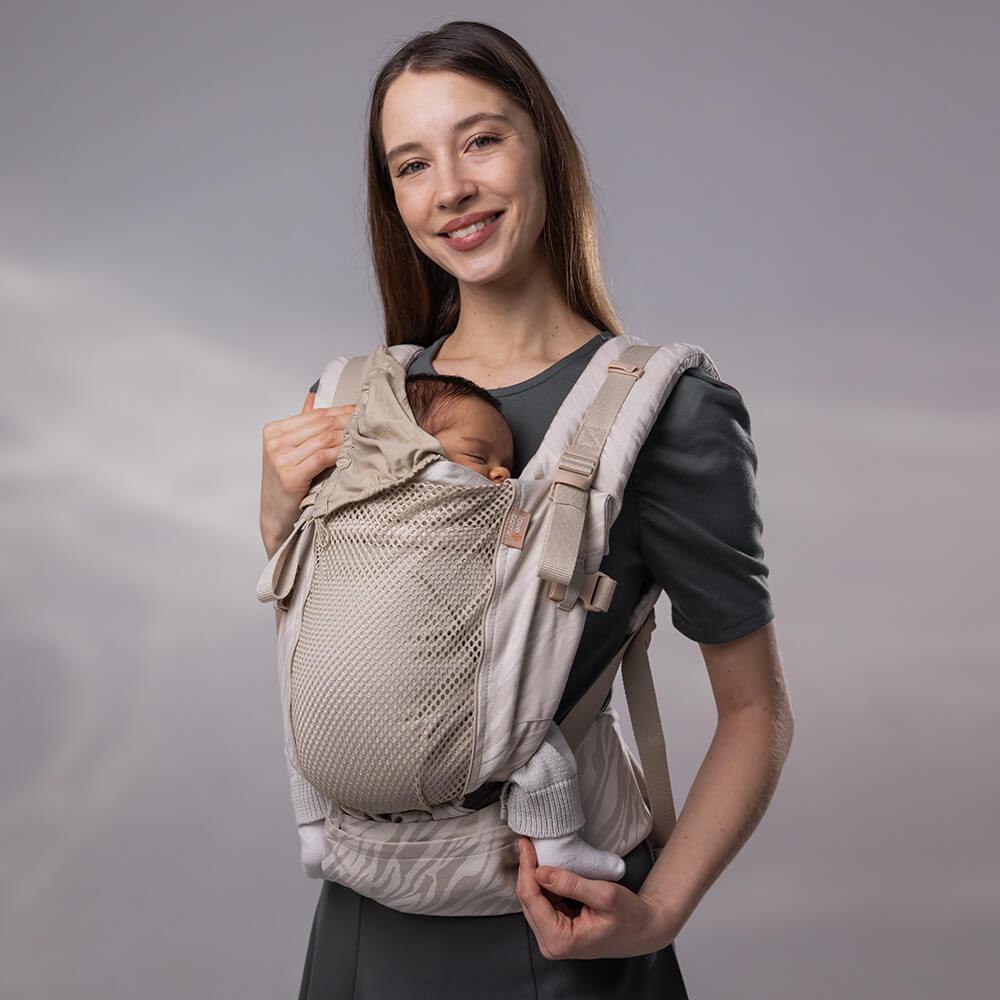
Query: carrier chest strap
[561,560]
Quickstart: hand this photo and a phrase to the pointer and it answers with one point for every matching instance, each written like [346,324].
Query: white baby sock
[312,848]
[572,852]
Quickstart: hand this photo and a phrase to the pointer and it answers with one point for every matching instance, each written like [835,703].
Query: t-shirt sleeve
[699,526]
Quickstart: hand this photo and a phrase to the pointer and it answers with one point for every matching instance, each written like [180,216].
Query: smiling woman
[484,246]
[436,159]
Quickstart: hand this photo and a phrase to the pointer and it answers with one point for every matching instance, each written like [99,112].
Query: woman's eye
[405,169]
[484,135]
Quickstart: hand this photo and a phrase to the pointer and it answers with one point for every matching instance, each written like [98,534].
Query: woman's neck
[501,347]
[509,323]
[494,362]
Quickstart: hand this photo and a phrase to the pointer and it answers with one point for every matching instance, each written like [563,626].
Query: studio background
[806,190]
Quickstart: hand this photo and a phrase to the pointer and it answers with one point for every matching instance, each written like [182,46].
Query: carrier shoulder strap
[577,468]
[341,380]
[349,383]
[562,560]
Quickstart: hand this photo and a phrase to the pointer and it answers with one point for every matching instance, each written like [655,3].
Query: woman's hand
[612,922]
[296,450]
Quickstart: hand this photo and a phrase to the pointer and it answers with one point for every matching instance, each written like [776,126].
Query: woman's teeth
[469,230]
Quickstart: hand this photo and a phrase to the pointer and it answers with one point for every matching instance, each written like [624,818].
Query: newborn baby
[541,798]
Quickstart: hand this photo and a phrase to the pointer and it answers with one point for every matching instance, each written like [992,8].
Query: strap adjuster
[623,368]
[596,591]
[575,469]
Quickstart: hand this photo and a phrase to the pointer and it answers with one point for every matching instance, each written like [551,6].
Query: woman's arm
[736,781]
[699,529]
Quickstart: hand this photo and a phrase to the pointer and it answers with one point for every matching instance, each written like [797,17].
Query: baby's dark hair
[428,395]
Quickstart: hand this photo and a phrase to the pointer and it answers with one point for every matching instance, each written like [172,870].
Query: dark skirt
[362,950]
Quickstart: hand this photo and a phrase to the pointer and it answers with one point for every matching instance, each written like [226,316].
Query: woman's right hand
[296,450]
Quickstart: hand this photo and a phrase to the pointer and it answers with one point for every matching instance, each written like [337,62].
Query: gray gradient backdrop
[807,190]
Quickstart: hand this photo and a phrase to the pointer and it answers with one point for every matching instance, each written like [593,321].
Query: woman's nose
[454,186]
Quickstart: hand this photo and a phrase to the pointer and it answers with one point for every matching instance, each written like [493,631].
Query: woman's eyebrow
[408,147]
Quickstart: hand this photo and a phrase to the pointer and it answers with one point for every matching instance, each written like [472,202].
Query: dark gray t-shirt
[689,516]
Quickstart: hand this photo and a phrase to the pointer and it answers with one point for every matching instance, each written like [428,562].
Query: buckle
[622,368]
[595,594]
[575,469]
[597,591]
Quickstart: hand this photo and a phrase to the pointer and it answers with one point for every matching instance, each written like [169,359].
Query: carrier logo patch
[515,527]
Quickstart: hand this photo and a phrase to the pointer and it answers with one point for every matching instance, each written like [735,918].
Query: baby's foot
[312,848]
[572,852]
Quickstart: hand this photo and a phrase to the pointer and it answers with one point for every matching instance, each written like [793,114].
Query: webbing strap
[575,472]
[640,694]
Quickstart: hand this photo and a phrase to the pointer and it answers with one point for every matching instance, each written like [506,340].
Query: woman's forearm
[274,529]
[728,798]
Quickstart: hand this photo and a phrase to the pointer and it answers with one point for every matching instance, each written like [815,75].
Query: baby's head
[466,420]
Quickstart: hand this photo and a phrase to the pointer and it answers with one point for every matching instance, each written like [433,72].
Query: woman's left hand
[612,922]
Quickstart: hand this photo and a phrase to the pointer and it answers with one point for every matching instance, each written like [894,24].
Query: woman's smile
[474,235]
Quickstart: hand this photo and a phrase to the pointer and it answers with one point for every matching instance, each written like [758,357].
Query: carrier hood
[383,446]
[383,443]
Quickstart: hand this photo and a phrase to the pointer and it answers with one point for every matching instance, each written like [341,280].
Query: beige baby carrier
[428,621]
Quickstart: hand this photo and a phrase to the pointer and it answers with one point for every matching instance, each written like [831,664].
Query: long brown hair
[421,299]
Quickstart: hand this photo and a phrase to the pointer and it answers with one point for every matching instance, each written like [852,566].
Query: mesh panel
[384,671]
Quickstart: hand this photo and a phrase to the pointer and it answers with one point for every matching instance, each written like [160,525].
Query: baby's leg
[541,800]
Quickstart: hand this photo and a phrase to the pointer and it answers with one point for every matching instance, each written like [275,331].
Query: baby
[541,798]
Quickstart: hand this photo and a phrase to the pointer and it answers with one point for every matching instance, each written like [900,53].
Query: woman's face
[488,165]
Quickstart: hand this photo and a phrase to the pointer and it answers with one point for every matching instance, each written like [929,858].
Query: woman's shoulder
[701,409]
[699,524]
[699,449]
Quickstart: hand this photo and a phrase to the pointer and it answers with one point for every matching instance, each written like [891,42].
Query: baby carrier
[428,620]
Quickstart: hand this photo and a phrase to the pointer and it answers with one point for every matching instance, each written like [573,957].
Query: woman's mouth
[472,236]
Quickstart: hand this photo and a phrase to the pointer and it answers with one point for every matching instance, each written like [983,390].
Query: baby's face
[476,435]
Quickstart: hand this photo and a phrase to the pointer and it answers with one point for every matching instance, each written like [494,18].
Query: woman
[465,132]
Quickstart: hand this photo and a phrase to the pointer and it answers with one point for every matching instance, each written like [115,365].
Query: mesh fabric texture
[383,677]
